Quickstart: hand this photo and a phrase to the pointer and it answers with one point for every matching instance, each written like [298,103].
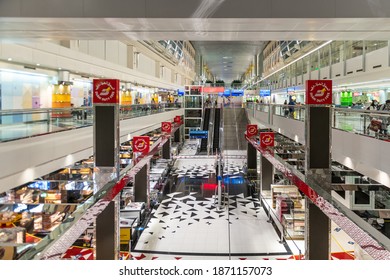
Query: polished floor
[189,225]
[192,225]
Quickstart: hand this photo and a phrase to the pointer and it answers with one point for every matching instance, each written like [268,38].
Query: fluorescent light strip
[23,72]
[292,62]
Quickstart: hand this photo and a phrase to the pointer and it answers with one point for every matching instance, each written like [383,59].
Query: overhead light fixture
[227,57]
[59,68]
[38,64]
[9,59]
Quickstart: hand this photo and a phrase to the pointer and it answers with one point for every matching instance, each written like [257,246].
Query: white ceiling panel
[240,38]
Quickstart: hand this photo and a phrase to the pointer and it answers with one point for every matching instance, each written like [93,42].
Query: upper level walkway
[37,142]
[354,143]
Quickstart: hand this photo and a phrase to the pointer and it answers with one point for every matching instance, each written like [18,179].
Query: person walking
[285,108]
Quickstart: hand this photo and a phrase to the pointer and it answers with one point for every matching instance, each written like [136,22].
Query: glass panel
[17,124]
[314,61]
[337,51]
[354,49]
[193,122]
[375,45]
[193,101]
[324,56]
[193,113]
[305,64]
[299,67]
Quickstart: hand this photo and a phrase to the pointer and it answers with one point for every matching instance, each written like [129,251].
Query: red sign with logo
[319,92]
[106,91]
[141,144]
[251,130]
[213,89]
[166,127]
[177,120]
[267,139]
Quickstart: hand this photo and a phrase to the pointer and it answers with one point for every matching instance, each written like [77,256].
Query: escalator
[206,122]
[234,126]
[217,125]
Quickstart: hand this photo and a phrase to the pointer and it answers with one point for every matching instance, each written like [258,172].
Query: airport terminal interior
[216,130]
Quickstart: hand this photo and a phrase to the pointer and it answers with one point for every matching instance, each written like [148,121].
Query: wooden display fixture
[61,98]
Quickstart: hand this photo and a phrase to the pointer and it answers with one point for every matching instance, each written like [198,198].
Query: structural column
[106,156]
[177,135]
[317,165]
[141,184]
[166,150]
[251,157]
[266,173]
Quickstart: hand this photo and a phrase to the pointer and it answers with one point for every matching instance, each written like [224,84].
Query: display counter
[286,209]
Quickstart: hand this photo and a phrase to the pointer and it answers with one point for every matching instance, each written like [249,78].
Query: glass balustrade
[17,124]
[362,122]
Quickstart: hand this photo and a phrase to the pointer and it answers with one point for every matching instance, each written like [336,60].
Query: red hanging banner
[141,144]
[267,139]
[251,130]
[178,120]
[166,127]
[319,92]
[105,91]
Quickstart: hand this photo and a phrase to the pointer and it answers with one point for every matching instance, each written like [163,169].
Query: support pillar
[177,135]
[141,185]
[106,233]
[166,150]
[106,156]
[317,233]
[266,174]
[317,166]
[251,161]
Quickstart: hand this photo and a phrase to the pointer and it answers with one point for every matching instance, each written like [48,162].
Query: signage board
[178,120]
[267,139]
[141,144]
[251,130]
[265,92]
[166,127]
[198,134]
[319,92]
[105,91]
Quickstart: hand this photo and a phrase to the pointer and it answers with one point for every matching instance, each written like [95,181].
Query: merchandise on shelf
[290,190]
[294,224]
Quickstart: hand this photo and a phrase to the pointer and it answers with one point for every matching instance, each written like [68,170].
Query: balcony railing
[17,124]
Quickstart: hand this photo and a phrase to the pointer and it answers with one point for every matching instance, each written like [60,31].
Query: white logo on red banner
[267,139]
[105,91]
[177,119]
[251,130]
[141,144]
[166,127]
[319,92]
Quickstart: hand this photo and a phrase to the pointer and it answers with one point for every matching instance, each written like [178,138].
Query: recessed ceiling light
[226,57]
[38,64]
[59,68]
[10,59]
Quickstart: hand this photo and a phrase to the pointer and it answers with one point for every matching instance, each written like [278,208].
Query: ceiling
[214,38]
[226,60]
